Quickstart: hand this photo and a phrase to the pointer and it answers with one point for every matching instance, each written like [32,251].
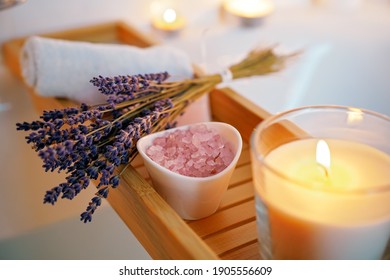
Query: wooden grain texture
[233,239]
[232,228]
[236,110]
[159,229]
[226,231]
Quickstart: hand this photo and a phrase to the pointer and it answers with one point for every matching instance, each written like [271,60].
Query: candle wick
[325,170]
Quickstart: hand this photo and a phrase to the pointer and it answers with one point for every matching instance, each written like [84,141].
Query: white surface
[345,58]
[346,61]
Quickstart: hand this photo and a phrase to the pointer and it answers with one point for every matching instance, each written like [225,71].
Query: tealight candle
[250,12]
[324,195]
[169,21]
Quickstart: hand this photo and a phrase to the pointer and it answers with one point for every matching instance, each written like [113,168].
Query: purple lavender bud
[114,181]
[93,172]
[72,179]
[110,168]
[104,178]
[103,192]
[84,182]
[71,190]
[116,161]
[86,217]
[51,196]
[93,151]
[68,144]
[97,200]
[27,126]
[52,115]
[33,137]
[81,139]
[69,193]
[84,107]
[127,84]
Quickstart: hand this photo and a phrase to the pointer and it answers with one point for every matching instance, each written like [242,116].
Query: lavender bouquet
[99,142]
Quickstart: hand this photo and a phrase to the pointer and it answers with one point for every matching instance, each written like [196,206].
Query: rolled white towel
[61,68]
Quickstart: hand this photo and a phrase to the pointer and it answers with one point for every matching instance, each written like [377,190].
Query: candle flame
[323,155]
[169,15]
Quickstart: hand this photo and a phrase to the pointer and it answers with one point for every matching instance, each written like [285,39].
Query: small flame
[169,15]
[323,155]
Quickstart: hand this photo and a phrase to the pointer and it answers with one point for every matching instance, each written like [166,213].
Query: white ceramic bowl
[192,197]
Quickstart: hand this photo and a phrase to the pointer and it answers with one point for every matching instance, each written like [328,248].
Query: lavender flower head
[123,88]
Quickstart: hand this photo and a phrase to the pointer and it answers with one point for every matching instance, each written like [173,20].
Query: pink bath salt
[196,152]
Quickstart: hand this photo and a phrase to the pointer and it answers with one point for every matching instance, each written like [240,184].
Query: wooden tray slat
[247,252]
[241,174]
[222,220]
[236,195]
[245,156]
[233,239]
[232,108]
[157,226]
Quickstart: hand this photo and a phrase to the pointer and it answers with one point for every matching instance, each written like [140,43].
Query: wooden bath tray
[230,233]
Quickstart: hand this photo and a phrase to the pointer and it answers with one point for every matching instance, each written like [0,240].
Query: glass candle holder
[322,184]
[167,17]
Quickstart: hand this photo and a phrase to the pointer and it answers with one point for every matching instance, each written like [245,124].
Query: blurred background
[345,61]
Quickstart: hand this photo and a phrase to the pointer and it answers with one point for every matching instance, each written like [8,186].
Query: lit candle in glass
[323,193]
[169,21]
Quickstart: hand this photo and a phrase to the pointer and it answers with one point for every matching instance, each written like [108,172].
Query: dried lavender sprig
[79,151]
[123,149]
[73,149]
[49,131]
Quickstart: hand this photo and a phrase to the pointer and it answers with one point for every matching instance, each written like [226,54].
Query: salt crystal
[160,141]
[171,151]
[195,140]
[195,152]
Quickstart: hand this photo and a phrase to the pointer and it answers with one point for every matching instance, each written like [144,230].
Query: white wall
[37,16]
